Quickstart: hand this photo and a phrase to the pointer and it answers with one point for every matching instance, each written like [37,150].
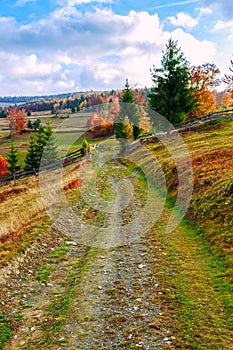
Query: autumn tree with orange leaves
[3,166]
[203,81]
[16,120]
[99,126]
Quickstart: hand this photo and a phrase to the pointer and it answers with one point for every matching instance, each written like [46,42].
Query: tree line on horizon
[180,92]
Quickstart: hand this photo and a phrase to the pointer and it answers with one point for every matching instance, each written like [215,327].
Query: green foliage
[50,155]
[12,159]
[171,95]
[85,147]
[3,114]
[44,144]
[6,326]
[30,158]
[36,124]
[127,94]
[127,108]
[44,274]
[29,124]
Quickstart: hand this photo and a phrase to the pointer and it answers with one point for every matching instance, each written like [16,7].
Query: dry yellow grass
[22,209]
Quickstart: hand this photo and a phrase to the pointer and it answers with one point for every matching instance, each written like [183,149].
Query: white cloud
[222,25]
[224,5]
[184,20]
[72,51]
[197,52]
[204,11]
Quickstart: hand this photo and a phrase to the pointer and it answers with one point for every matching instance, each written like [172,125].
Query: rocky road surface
[68,295]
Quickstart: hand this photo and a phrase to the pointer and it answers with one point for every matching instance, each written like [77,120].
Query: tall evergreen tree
[31,161]
[172,95]
[127,108]
[45,142]
[12,159]
[50,155]
[127,93]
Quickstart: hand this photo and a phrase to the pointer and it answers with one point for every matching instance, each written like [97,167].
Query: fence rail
[191,124]
[63,162]
[76,155]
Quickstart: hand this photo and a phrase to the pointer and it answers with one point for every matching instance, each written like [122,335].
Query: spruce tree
[30,158]
[50,152]
[172,95]
[127,108]
[12,159]
[127,94]
[44,144]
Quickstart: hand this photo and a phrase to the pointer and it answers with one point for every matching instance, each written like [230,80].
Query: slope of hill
[211,151]
[167,291]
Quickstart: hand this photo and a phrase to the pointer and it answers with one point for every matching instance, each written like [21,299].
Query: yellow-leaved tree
[203,81]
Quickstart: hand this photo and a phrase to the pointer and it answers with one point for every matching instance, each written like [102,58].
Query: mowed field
[69,131]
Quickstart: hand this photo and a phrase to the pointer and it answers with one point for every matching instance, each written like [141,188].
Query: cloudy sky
[53,46]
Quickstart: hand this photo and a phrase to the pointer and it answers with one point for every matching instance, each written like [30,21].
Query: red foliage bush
[73,184]
[3,166]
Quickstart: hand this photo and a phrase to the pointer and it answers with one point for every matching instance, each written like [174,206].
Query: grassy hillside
[192,266]
[211,151]
[211,208]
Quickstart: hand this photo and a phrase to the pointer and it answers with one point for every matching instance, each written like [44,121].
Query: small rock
[71,243]
[140,266]
[139,300]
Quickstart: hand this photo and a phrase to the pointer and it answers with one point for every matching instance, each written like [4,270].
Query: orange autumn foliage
[100,126]
[3,166]
[16,119]
[203,80]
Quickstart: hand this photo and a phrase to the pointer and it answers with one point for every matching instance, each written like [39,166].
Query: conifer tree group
[44,144]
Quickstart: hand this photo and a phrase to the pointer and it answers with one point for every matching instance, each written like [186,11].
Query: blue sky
[54,46]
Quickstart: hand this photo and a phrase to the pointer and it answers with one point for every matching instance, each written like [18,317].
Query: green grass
[7,324]
[212,200]
[60,305]
[199,251]
[44,274]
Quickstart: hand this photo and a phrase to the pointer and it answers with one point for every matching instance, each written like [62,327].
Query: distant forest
[26,99]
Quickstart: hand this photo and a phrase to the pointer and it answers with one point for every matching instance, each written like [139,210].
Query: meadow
[193,264]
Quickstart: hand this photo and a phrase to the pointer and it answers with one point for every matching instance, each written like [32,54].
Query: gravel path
[115,293]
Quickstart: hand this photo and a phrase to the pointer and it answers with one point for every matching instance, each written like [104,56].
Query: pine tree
[127,108]
[127,94]
[30,158]
[29,124]
[12,159]
[41,141]
[172,95]
[43,145]
[50,152]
